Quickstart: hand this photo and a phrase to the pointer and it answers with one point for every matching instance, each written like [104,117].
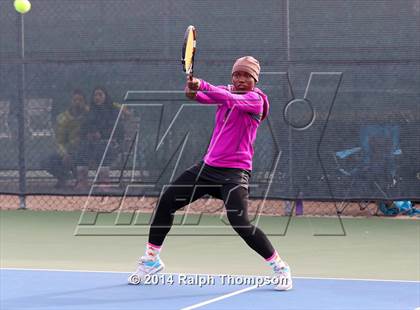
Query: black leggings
[187,189]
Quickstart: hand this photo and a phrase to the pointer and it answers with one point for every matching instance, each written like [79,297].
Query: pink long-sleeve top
[237,119]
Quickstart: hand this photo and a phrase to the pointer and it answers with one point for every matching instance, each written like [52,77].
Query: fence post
[20,112]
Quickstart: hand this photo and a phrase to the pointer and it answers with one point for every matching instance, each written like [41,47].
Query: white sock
[152,251]
[275,262]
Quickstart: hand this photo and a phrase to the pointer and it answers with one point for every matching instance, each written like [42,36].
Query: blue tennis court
[50,289]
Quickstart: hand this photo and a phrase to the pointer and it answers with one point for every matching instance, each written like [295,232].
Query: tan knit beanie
[247,64]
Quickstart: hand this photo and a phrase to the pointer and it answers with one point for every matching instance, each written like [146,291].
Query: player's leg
[235,198]
[183,191]
[178,194]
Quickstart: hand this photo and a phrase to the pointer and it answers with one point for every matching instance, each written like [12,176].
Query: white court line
[209,274]
[221,297]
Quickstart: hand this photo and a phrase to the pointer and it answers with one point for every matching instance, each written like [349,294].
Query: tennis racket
[188,51]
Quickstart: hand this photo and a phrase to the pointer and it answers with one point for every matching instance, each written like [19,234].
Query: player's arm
[199,96]
[250,102]
[191,92]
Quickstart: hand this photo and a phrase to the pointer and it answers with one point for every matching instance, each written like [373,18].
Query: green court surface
[373,248]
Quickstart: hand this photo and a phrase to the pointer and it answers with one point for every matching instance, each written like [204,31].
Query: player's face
[99,97]
[243,81]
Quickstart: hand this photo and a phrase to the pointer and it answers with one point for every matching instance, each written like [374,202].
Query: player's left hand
[190,93]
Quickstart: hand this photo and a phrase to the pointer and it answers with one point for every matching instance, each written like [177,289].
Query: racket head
[188,50]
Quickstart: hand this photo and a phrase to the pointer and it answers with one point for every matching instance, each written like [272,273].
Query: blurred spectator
[95,134]
[63,163]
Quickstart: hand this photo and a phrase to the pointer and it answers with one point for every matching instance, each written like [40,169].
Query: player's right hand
[193,83]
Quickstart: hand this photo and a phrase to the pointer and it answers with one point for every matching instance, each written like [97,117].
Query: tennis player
[225,171]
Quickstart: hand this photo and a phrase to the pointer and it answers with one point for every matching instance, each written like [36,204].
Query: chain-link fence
[342,77]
